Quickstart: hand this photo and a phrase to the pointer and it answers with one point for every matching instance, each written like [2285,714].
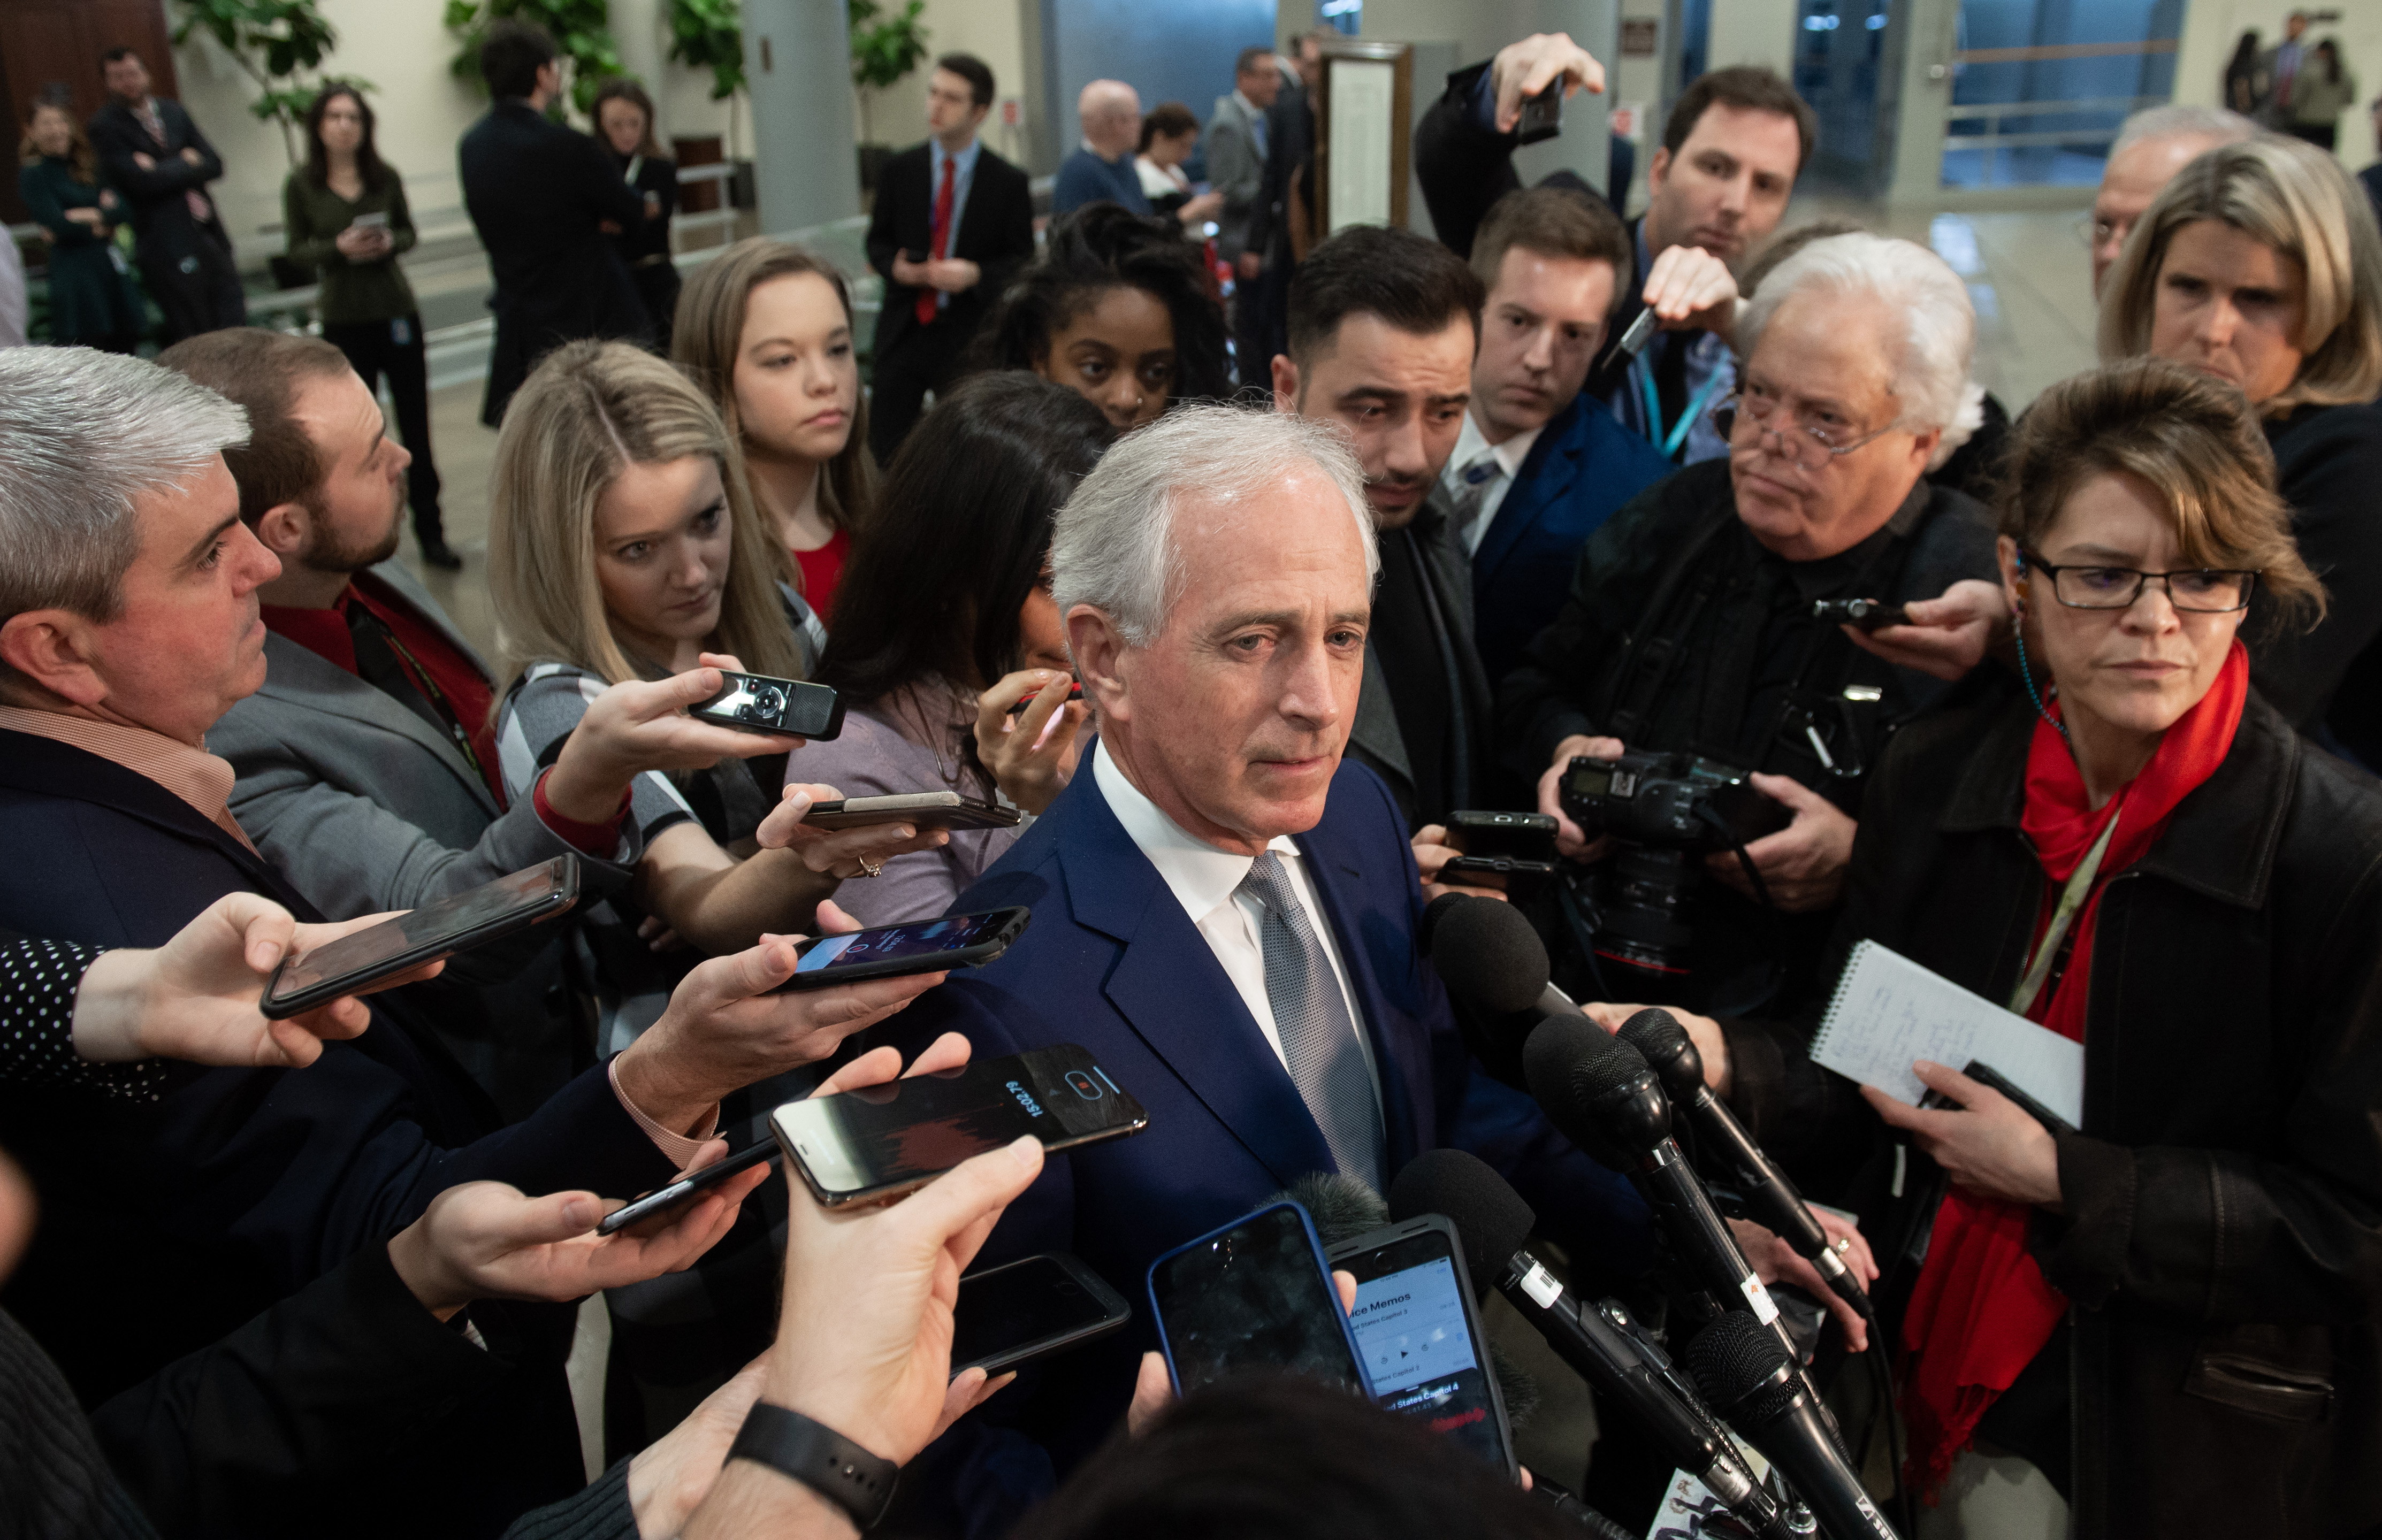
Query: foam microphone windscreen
[1490,1218]
[1735,1363]
[1488,955]
[1572,1062]
[1432,913]
[1343,1207]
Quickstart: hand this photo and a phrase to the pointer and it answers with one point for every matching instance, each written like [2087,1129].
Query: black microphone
[1601,1094]
[1671,1054]
[1751,1381]
[1495,1224]
[1495,966]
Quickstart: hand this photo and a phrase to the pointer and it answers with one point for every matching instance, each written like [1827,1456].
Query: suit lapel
[1174,994]
[50,768]
[1546,475]
[1375,727]
[399,577]
[296,676]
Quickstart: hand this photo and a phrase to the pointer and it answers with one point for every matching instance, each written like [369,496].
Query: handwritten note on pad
[1888,1010]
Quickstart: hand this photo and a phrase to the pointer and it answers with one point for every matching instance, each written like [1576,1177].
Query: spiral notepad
[1888,1010]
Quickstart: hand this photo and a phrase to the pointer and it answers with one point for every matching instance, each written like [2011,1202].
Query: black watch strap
[819,1457]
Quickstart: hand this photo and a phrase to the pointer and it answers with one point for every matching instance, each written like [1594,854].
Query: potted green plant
[581,28]
[276,43]
[884,48]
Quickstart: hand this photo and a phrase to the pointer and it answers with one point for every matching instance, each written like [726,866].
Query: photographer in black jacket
[1691,624]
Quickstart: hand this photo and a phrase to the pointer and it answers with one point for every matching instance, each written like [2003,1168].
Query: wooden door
[47,44]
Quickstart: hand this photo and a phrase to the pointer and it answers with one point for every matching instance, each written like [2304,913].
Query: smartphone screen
[1005,1314]
[885,1139]
[421,935]
[887,943]
[1415,1336]
[1254,1296]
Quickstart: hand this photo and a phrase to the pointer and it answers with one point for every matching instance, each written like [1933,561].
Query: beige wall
[400,47]
[988,29]
[2211,28]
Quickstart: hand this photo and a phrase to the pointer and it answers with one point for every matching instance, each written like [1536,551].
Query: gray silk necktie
[1475,482]
[1319,1039]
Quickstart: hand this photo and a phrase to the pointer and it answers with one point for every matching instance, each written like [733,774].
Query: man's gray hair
[1939,323]
[1122,543]
[85,434]
[2180,120]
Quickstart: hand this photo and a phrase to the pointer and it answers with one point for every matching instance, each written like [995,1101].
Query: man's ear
[53,648]
[285,529]
[1658,171]
[1097,647]
[1285,383]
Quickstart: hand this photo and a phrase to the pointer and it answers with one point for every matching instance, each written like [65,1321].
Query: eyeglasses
[1809,445]
[2199,591]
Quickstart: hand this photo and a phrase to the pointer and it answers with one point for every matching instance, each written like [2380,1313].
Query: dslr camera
[1665,811]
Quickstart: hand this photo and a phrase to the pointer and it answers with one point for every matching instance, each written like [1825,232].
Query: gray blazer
[361,805]
[1234,169]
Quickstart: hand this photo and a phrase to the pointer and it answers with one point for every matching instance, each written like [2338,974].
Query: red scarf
[1982,1309]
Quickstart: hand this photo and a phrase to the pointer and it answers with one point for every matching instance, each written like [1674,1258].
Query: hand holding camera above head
[1525,69]
[635,726]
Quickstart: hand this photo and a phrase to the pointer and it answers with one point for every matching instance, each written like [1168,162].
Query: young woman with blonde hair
[2261,264]
[765,329]
[623,545]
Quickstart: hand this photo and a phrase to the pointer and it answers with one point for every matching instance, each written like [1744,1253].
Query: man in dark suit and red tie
[953,222]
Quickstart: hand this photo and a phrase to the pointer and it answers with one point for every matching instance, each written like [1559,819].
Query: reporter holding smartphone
[945,622]
[345,215]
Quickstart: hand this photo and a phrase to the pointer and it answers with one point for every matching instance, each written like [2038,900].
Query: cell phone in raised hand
[759,703]
[881,1140]
[927,809]
[1542,114]
[917,946]
[1419,1334]
[456,923]
[1256,1294]
[689,1187]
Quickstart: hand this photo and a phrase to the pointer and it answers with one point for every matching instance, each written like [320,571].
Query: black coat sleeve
[1014,247]
[1463,167]
[328,1378]
[884,241]
[2329,469]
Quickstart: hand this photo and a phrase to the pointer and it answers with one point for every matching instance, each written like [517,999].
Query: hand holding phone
[923,810]
[1256,1294]
[920,947]
[456,923]
[761,703]
[1542,114]
[1030,1308]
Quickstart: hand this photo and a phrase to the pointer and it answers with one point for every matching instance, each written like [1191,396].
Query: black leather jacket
[2222,1234]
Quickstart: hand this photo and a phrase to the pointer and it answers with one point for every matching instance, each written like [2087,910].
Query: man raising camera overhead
[1690,627]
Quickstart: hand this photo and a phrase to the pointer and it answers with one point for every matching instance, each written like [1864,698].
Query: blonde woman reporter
[623,545]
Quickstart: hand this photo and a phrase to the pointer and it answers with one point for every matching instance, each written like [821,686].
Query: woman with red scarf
[2165,1323]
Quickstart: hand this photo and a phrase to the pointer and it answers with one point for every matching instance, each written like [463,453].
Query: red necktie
[942,248]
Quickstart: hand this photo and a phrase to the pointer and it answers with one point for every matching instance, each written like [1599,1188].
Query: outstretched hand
[1524,69]
[1948,635]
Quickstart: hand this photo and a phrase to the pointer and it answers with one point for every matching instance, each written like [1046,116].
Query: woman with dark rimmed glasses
[2161,1322]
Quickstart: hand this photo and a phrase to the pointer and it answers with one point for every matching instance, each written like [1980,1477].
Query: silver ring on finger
[1843,1245]
[870,868]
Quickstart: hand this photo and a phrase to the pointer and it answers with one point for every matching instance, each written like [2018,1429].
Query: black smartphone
[663,1199]
[456,923]
[927,810]
[1525,836]
[1499,873]
[1256,1294]
[1075,692]
[757,703]
[1031,1308]
[1541,116]
[1419,1334]
[1994,1079]
[881,1140]
[919,947]
[1867,614]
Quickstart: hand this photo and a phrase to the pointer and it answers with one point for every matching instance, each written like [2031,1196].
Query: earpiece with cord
[2017,632]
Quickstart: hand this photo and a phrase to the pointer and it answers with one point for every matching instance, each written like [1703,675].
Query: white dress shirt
[1471,445]
[1205,881]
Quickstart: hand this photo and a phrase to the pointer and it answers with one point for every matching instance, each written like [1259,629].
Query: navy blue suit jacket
[1112,963]
[1584,467]
[167,1226]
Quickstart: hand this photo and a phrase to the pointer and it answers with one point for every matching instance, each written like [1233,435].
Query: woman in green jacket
[93,302]
[346,216]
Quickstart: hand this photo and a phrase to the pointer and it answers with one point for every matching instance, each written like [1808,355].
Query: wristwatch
[819,1457]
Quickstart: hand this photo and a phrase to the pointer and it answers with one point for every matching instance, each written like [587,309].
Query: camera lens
[1648,897]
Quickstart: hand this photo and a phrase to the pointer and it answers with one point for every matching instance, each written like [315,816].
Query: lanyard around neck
[2071,900]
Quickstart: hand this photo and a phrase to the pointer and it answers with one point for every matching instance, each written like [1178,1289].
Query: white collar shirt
[1471,445]
[1206,882]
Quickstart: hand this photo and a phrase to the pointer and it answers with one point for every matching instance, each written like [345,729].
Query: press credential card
[1888,1010]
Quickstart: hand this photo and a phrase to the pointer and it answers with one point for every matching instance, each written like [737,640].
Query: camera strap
[2072,902]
